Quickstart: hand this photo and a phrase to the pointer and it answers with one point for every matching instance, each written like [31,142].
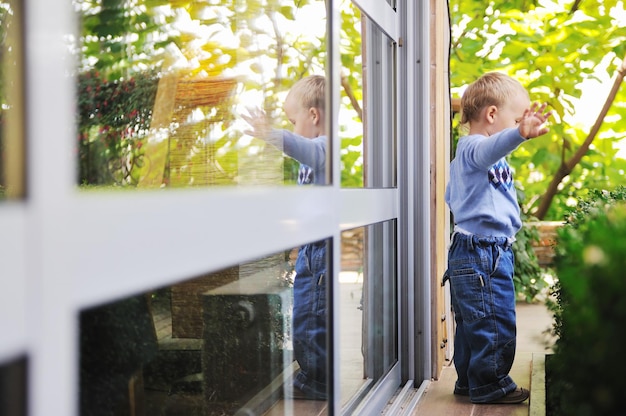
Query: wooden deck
[534,322]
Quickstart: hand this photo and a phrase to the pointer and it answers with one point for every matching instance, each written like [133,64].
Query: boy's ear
[315,115]
[490,114]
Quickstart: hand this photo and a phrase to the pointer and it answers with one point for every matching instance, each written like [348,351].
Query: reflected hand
[258,120]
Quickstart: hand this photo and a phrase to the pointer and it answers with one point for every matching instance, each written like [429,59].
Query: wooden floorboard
[298,407]
[534,323]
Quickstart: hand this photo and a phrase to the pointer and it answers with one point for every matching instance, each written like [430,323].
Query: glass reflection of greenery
[127,48]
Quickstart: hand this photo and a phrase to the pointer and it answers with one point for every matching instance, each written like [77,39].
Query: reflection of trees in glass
[128,46]
[5,20]
[114,119]
[352,96]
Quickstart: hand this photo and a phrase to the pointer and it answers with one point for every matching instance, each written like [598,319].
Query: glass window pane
[367,118]
[368,332]
[164,89]
[12,167]
[13,387]
[351,117]
[238,340]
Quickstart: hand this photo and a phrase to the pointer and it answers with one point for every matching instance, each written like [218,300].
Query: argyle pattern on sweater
[305,175]
[500,175]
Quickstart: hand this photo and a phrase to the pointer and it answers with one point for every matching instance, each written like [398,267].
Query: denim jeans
[309,319]
[480,270]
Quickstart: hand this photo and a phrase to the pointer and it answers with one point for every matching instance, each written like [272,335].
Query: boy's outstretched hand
[533,121]
[257,119]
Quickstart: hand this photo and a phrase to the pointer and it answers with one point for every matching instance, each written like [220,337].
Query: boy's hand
[258,120]
[532,123]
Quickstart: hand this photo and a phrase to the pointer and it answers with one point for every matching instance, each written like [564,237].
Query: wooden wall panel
[440,158]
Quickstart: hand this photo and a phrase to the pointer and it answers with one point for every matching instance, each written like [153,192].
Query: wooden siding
[440,158]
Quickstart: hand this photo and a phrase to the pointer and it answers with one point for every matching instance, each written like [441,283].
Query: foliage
[576,221]
[553,48]
[6,20]
[114,119]
[6,55]
[529,277]
[590,308]
[351,95]
[597,201]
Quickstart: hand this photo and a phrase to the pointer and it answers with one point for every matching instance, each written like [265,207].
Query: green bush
[529,277]
[586,371]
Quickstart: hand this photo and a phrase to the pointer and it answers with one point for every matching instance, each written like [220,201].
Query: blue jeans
[480,270]
[309,319]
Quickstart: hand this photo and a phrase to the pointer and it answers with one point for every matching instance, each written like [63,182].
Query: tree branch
[348,90]
[575,6]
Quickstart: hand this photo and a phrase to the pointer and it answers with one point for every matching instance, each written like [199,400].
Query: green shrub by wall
[586,372]
[529,276]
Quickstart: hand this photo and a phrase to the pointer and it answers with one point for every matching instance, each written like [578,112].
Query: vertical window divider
[333,73]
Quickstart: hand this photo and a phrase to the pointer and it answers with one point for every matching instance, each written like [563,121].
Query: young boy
[304,107]
[483,201]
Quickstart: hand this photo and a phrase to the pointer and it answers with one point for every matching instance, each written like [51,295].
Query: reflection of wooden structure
[175,102]
[246,326]
[186,300]
[180,152]
[176,98]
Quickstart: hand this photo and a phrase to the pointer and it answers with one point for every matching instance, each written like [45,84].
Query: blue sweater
[481,193]
[311,153]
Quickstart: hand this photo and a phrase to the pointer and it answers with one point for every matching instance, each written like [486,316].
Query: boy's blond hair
[493,88]
[310,91]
